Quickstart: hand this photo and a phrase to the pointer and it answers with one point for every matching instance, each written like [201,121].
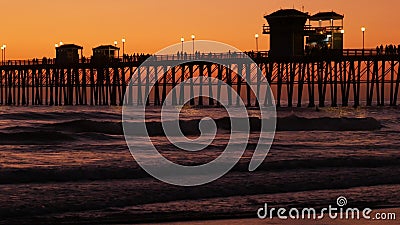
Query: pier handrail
[136,58]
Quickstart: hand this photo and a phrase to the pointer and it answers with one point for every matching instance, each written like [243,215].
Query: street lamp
[363,29]
[4,50]
[115,43]
[123,48]
[2,55]
[61,43]
[182,40]
[256,36]
[193,37]
[56,45]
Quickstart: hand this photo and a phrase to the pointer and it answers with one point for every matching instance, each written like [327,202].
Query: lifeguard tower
[286,30]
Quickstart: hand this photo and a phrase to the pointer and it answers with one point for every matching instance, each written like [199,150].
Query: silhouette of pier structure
[298,75]
[307,79]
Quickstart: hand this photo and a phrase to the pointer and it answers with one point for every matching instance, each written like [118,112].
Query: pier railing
[205,56]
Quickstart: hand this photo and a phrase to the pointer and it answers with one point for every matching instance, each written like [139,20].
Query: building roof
[326,16]
[106,47]
[287,13]
[69,46]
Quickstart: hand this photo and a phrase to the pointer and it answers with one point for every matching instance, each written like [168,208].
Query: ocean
[72,165]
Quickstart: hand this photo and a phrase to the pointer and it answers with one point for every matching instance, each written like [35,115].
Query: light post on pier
[256,36]
[4,52]
[182,40]
[342,32]
[2,55]
[363,29]
[123,49]
[193,37]
[115,43]
[56,46]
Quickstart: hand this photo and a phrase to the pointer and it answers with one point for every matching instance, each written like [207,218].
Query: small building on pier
[327,34]
[286,30]
[290,36]
[105,53]
[68,53]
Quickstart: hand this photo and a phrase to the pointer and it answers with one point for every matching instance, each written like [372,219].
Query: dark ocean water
[65,164]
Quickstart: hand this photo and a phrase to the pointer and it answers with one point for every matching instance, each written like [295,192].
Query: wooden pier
[354,78]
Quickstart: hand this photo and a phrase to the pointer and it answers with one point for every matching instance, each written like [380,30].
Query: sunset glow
[30,28]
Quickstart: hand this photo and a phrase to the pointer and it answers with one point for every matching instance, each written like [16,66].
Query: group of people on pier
[253,54]
[198,55]
[388,50]
[135,57]
[311,50]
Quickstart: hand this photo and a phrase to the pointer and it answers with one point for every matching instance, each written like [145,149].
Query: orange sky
[31,28]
